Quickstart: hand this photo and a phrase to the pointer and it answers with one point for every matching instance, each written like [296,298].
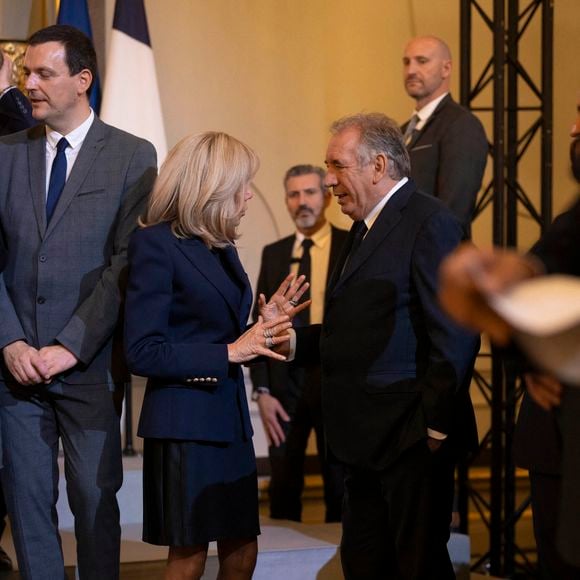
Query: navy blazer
[181,312]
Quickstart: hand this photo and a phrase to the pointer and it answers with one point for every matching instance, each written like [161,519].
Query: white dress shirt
[75,140]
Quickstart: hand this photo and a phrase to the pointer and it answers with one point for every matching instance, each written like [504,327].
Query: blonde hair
[199,189]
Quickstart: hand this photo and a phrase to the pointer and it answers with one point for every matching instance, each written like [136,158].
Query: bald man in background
[446,142]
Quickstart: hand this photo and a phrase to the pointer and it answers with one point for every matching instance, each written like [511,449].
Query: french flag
[130,94]
[76,13]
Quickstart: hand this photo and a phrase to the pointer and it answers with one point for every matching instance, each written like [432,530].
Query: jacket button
[41,300]
[42,258]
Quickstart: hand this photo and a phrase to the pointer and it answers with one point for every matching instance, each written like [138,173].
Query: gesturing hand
[25,363]
[285,299]
[259,339]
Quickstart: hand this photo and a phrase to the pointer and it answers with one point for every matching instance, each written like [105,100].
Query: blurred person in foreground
[547,437]
[188,301]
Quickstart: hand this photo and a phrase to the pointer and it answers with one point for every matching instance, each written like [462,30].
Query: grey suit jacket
[448,158]
[62,282]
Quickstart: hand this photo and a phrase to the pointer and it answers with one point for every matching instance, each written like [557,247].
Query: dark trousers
[287,463]
[396,521]
[86,419]
[545,490]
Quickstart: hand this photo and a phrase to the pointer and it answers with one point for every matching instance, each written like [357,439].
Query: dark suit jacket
[182,310]
[284,379]
[15,112]
[393,364]
[538,444]
[448,157]
[62,282]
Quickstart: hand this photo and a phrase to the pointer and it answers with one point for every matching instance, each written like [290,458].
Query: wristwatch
[259,391]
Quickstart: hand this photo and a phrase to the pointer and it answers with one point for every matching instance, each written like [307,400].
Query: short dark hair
[305,169]
[378,134]
[79,49]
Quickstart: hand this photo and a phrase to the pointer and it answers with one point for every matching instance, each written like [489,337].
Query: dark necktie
[408,136]
[57,178]
[358,232]
[305,267]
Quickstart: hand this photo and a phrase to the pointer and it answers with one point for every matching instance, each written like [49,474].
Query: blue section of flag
[76,13]
[130,18]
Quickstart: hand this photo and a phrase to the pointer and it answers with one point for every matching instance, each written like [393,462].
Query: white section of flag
[131,95]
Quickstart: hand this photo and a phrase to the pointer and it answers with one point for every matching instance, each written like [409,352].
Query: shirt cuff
[291,345]
[436,434]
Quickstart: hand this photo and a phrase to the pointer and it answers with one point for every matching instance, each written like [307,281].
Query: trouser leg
[30,482]
[89,425]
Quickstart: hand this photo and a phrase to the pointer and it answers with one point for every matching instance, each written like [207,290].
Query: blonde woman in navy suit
[187,305]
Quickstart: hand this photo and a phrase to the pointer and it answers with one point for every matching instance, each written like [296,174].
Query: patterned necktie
[408,136]
[57,178]
[305,267]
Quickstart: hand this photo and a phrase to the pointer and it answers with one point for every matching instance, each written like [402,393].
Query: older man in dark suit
[395,370]
[446,142]
[70,193]
[288,396]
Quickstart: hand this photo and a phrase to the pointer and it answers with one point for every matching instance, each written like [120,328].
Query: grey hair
[305,169]
[378,134]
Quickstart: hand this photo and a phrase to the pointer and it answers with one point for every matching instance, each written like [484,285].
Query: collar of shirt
[427,111]
[75,138]
[374,213]
[320,239]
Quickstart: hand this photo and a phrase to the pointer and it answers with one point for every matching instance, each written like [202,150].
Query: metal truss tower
[519,100]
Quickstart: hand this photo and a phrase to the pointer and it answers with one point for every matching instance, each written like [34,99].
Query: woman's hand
[285,299]
[259,339]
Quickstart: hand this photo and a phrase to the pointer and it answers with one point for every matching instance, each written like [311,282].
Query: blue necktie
[57,178]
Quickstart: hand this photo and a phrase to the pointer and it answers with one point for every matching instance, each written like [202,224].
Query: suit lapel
[417,135]
[388,218]
[233,259]
[208,265]
[37,174]
[90,148]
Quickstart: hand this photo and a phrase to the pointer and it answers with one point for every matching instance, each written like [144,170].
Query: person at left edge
[15,115]
[188,302]
[66,213]
[15,108]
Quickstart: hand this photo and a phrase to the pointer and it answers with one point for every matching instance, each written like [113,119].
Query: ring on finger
[269,342]
[293,302]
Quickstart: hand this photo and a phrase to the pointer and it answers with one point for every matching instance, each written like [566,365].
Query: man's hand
[271,411]
[545,390]
[57,359]
[25,363]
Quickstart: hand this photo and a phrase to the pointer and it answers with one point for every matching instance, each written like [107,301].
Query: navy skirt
[196,492]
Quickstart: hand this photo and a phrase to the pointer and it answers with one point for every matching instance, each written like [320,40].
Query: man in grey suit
[446,142]
[71,189]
